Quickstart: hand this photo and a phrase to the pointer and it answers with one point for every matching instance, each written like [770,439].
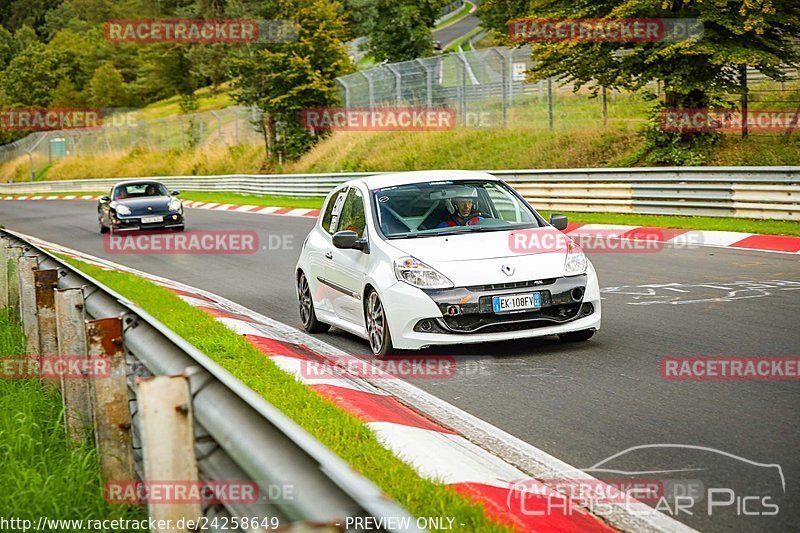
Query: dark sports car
[140,204]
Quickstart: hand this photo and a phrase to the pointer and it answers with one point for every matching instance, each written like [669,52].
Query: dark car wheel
[577,336]
[307,314]
[380,341]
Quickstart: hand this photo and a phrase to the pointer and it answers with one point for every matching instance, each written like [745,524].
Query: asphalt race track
[581,403]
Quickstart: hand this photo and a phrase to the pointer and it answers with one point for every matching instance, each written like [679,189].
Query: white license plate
[150,220]
[516,302]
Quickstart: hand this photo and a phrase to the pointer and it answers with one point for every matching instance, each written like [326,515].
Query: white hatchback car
[416,259]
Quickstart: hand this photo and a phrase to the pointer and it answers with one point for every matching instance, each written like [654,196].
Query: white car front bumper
[407,306]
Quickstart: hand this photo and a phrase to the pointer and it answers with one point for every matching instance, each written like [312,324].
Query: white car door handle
[329,255]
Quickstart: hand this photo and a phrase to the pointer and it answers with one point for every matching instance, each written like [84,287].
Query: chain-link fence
[124,130]
[488,88]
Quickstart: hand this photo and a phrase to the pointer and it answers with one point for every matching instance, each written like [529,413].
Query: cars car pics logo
[189,242]
[378,119]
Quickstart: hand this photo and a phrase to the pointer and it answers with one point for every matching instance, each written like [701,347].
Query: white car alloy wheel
[377,331]
[307,314]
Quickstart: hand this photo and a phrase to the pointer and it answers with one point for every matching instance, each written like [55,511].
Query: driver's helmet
[464,193]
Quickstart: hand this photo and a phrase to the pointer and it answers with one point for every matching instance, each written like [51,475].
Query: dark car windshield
[449,207]
[139,190]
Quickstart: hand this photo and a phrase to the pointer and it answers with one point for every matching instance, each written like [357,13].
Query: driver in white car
[463,209]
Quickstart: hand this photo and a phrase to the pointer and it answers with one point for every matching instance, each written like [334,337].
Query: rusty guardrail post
[71,332]
[112,415]
[12,265]
[27,303]
[3,272]
[167,437]
[45,283]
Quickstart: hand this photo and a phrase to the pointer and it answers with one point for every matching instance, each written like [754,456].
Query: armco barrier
[236,435]
[742,192]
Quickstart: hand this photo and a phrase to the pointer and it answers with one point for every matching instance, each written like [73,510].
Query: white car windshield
[447,207]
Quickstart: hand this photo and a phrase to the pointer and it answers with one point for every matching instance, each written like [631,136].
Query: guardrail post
[27,303]
[550,104]
[46,281]
[167,438]
[112,415]
[71,332]
[12,267]
[3,272]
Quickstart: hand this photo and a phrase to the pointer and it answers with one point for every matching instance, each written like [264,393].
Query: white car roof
[379,181]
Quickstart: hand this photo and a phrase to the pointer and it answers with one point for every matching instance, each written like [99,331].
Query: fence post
[604,100]
[46,281]
[550,104]
[71,332]
[745,118]
[167,438]
[112,415]
[12,266]
[27,303]
[3,272]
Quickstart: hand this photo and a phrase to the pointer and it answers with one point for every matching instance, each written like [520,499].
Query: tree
[33,75]
[283,78]
[402,31]
[696,72]
[107,88]
[7,48]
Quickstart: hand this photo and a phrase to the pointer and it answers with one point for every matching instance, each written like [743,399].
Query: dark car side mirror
[105,198]
[348,240]
[175,193]
[558,221]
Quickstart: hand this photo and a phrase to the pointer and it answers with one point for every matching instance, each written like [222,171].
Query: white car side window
[337,210]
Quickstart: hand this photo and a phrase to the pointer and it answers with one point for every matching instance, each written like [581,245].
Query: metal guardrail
[237,434]
[744,192]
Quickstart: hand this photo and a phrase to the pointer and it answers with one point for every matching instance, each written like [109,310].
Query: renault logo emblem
[508,270]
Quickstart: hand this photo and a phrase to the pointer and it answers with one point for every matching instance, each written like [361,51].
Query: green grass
[247,199]
[747,225]
[344,434]
[40,475]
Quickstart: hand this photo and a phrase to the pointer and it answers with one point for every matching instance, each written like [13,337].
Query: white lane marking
[209,205]
[713,291]
[223,207]
[245,208]
[710,238]
[239,326]
[298,212]
[445,457]
[267,210]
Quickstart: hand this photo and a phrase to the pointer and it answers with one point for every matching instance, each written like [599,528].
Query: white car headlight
[175,205]
[576,260]
[416,273]
[123,210]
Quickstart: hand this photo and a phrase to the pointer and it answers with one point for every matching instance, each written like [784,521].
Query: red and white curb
[442,442]
[193,204]
[685,238]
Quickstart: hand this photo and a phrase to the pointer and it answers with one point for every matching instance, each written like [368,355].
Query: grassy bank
[40,475]
[344,434]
